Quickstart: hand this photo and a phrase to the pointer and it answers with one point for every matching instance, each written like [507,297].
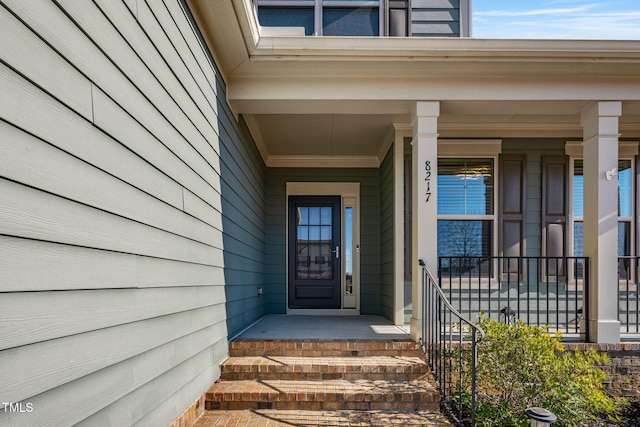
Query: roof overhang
[325,98]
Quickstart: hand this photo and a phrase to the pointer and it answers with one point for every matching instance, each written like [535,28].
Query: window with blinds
[466,207]
[625,203]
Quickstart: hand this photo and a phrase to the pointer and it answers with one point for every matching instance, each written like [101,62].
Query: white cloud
[558,23]
[533,12]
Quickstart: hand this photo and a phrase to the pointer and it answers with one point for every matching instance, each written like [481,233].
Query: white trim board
[350,195]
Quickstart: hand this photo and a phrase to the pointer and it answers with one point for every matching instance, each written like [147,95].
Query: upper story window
[324,17]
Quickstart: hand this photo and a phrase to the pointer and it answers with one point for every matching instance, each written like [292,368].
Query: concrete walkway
[301,418]
[282,327]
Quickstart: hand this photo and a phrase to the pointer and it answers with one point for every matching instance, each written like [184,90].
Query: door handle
[337,251]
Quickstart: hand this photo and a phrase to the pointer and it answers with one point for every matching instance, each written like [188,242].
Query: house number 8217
[427,178]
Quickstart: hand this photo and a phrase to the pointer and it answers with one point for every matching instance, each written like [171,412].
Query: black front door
[314,252]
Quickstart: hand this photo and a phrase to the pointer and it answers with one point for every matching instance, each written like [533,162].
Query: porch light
[540,417]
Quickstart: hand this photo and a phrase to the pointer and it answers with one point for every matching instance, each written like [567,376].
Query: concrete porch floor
[283,327]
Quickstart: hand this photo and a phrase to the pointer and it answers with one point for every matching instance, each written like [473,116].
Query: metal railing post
[548,290]
[441,322]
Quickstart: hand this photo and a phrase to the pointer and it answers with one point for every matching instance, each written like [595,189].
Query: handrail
[440,321]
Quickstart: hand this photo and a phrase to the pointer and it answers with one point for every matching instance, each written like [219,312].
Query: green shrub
[524,366]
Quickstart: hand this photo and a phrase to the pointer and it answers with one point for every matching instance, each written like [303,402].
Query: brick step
[281,418]
[362,395]
[321,348]
[390,368]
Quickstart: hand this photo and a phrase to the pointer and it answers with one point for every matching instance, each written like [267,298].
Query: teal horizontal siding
[534,149]
[147,209]
[387,237]
[369,180]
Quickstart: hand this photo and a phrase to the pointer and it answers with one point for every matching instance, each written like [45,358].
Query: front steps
[344,381]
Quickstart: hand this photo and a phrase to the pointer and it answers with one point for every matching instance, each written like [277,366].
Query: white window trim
[319,5]
[477,150]
[627,150]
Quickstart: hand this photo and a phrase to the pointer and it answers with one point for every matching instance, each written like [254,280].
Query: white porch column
[600,133]
[424,201]
[399,215]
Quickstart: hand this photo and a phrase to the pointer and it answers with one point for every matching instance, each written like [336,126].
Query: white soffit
[487,88]
[322,140]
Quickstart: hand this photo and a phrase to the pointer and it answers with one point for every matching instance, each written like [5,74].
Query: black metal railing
[542,291]
[446,335]
[628,297]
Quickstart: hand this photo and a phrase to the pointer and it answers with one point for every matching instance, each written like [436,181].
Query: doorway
[314,252]
[323,248]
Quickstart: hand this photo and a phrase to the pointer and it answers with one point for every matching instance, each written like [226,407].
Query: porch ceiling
[333,101]
[322,139]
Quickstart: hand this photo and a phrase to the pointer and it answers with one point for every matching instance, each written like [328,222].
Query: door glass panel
[325,215]
[303,216]
[348,247]
[314,216]
[314,243]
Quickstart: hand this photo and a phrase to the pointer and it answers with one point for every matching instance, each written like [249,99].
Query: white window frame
[487,149]
[627,150]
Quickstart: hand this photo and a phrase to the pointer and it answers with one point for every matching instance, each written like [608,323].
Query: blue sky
[557,19]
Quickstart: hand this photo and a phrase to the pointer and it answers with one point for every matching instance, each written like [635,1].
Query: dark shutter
[398,18]
[555,203]
[512,214]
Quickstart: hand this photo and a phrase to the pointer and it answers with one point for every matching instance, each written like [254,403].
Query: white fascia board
[393,48]
[397,50]
[304,89]
[248,21]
